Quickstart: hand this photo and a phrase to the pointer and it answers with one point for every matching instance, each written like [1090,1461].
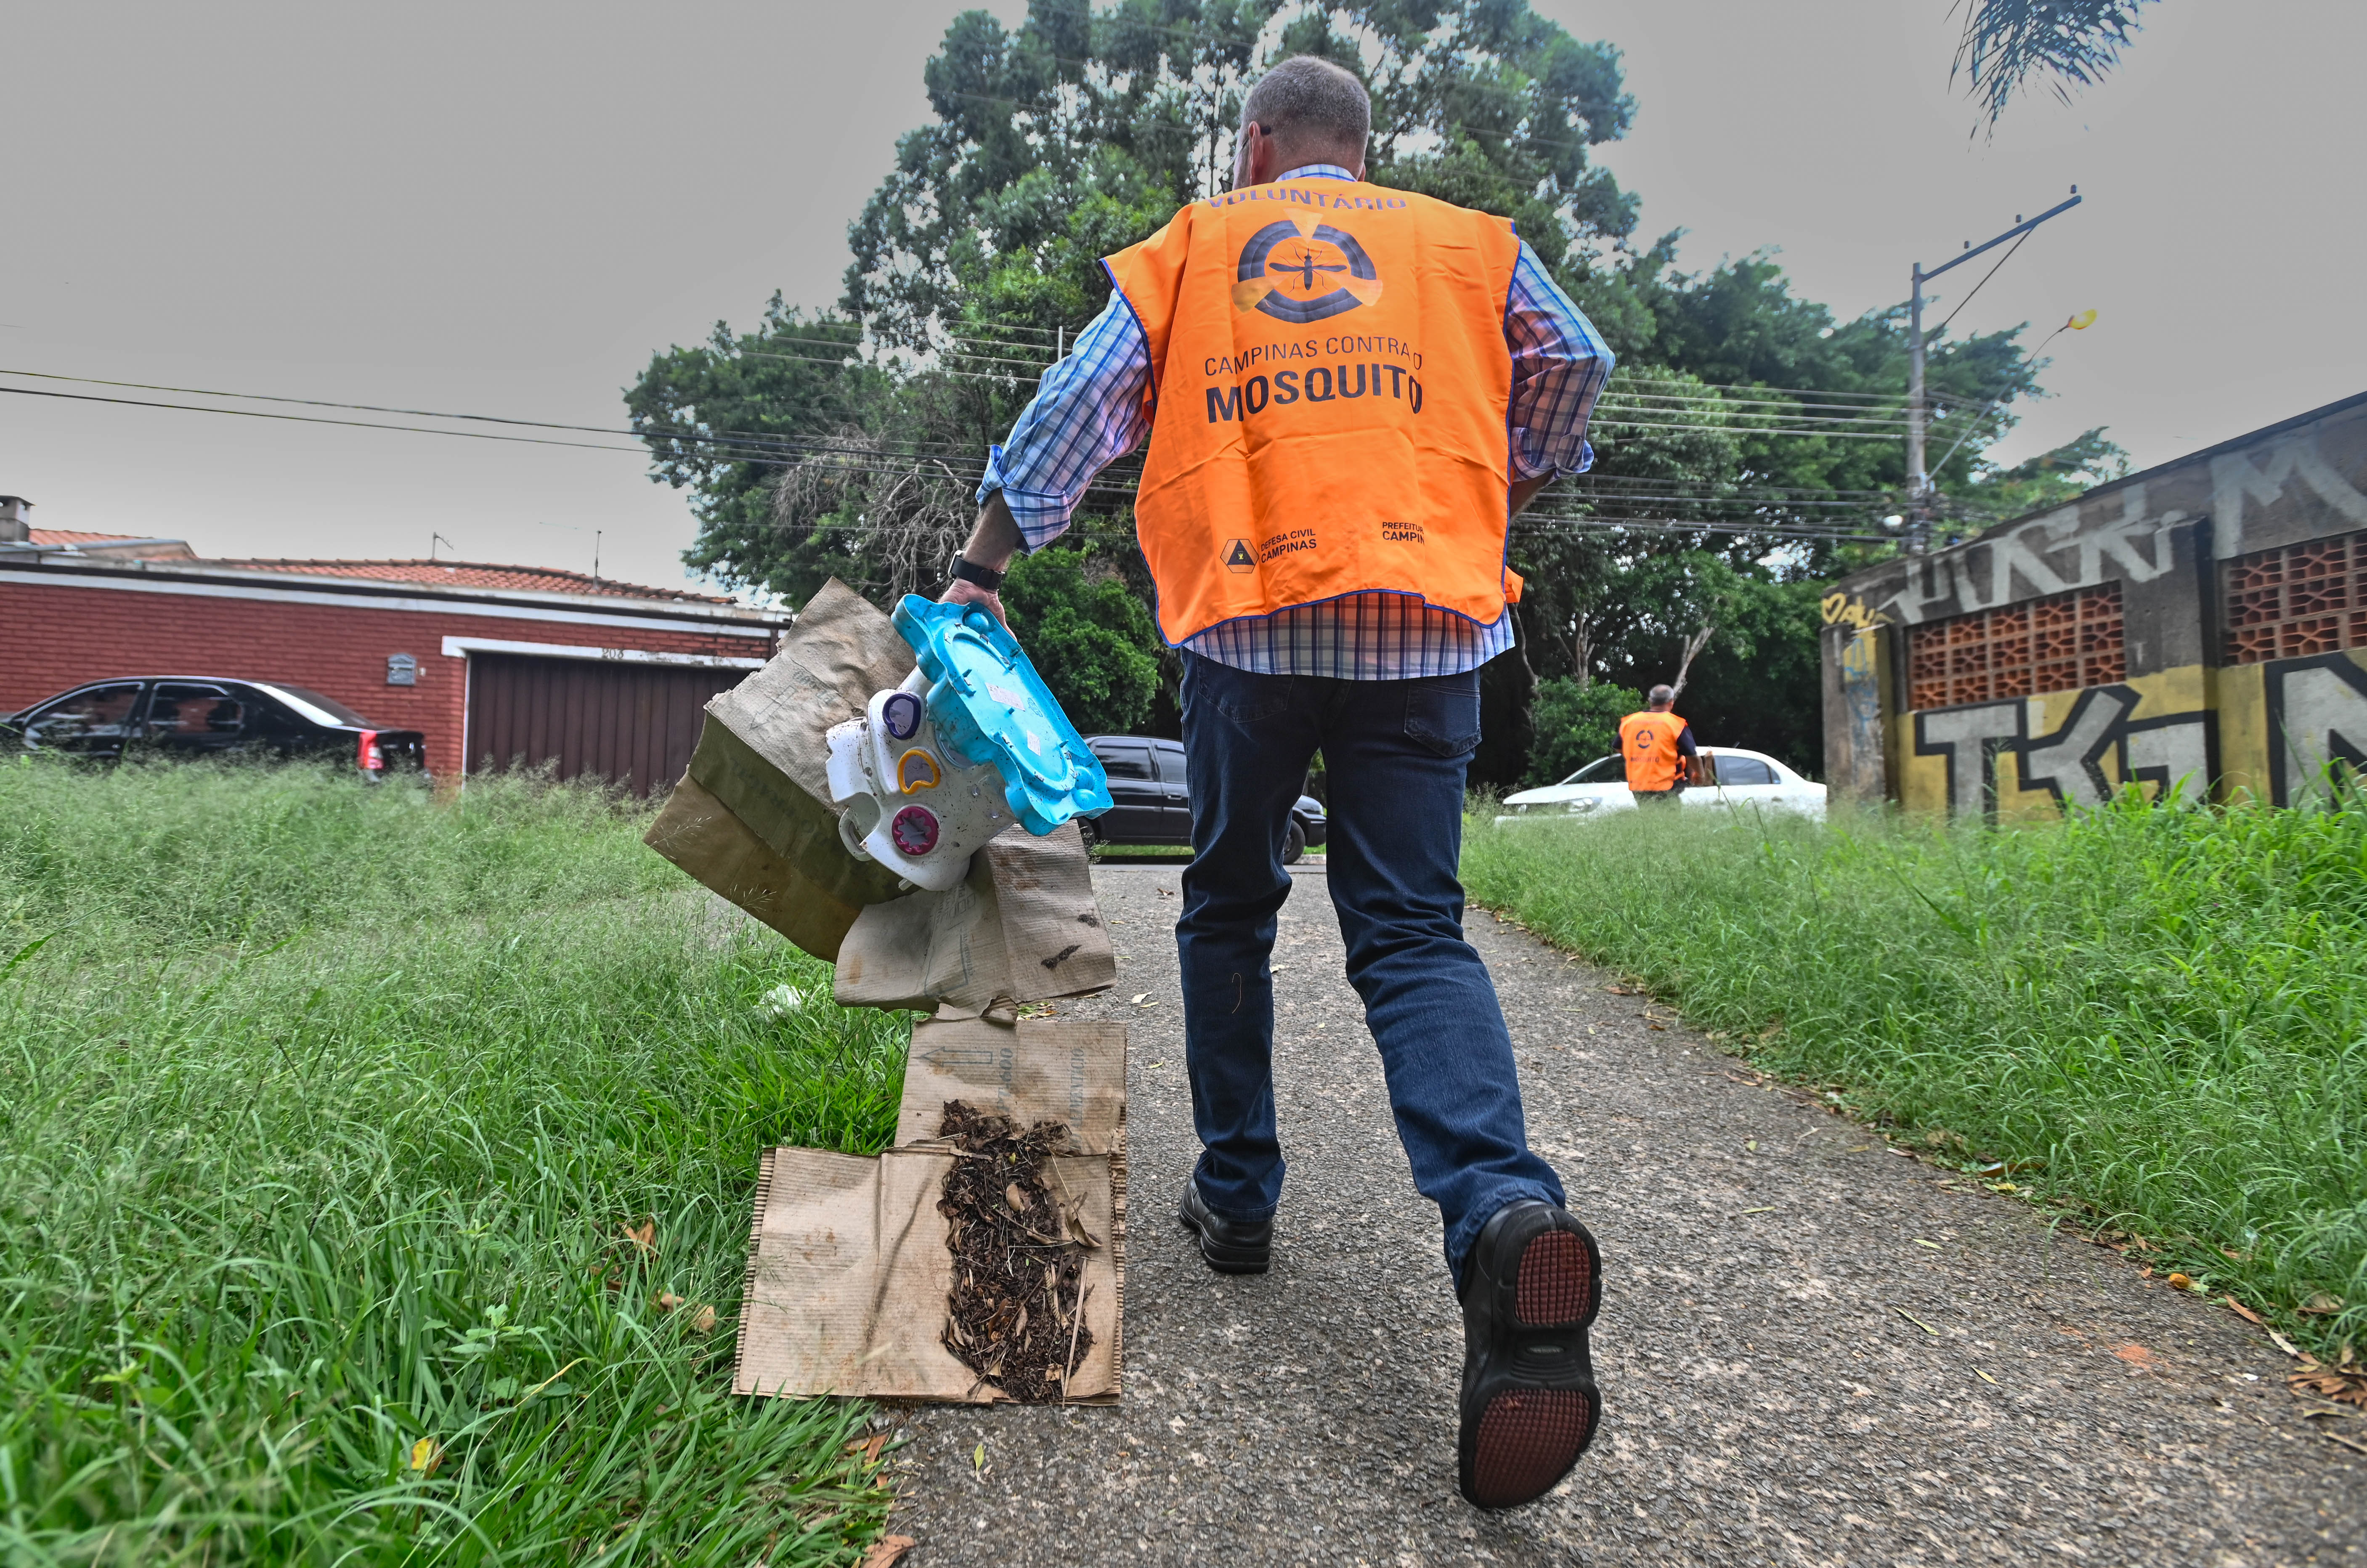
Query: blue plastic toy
[987,702]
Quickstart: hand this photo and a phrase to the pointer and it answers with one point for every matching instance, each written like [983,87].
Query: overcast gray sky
[503,209]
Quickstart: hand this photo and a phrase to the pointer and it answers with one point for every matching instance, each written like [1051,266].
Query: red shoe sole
[1556,1284]
[1529,1437]
[1528,1440]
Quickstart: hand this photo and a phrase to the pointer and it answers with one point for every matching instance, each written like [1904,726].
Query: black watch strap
[969,571]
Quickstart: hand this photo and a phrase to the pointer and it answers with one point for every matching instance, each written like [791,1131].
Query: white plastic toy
[914,800]
[911,803]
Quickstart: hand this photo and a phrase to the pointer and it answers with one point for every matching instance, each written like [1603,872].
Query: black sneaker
[1530,1288]
[1230,1246]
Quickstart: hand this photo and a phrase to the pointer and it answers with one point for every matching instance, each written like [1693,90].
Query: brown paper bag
[848,1272]
[752,820]
[846,1292]
[1023,927]
[1043,1069]
[698,833]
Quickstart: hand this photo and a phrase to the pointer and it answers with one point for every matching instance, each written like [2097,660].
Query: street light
[1919,482]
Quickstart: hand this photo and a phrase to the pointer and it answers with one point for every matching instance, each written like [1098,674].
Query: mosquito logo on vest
[1301,278]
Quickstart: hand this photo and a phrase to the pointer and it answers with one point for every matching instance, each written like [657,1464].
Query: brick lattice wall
[2059,643]
[2305,599]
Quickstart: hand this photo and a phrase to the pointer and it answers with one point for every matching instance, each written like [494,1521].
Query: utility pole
[1919,484]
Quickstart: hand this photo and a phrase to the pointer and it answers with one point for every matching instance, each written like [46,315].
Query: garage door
[631,724]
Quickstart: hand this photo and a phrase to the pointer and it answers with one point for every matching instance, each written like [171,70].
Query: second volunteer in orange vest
[1658,748]
[1348,391]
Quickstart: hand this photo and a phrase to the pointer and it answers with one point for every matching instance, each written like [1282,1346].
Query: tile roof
[68,536]
[473,574]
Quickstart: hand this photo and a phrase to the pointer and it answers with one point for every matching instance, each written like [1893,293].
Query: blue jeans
[1395,752]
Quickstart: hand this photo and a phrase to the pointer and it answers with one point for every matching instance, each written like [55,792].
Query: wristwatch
[969,571]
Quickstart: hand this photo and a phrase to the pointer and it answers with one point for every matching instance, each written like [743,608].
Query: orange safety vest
[1328,386]
[1647,742]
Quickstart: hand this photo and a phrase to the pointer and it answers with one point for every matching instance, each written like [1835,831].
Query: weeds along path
[375,1177]
[1812,1351]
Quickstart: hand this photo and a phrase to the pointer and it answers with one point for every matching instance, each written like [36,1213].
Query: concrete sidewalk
[1811,1351]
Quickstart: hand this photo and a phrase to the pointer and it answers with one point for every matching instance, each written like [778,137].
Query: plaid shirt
[1088,413]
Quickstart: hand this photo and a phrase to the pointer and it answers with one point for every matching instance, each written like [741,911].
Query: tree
[1089,636]
[2074,42]
[1576,723]
[848,442]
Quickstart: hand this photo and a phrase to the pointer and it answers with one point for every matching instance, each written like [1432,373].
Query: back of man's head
[1316,112]
[1661,696]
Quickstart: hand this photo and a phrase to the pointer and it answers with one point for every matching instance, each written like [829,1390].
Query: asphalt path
[1811,1351]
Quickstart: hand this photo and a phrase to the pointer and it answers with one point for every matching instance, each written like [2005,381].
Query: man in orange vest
[1659,750]
[1348,391]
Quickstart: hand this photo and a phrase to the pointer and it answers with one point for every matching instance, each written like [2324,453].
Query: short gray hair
[1310,102]
[1661,693]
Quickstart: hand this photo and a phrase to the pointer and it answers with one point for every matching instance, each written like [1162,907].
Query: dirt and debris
[1016,1315]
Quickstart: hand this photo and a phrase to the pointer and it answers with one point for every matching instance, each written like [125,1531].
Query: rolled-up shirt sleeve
[1559,366]
[1088,411]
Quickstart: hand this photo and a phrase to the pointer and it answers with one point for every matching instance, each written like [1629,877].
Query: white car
[1742,779]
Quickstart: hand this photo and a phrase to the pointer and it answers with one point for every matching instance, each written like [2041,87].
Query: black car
[210,716]
[1151,803]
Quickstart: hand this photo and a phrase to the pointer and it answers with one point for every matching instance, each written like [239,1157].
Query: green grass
[323,1112]
[2160,1016]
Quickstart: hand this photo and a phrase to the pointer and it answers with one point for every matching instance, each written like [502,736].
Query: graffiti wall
[2199,628]
[2268,729]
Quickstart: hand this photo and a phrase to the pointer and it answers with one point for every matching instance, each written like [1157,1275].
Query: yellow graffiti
[1848,609]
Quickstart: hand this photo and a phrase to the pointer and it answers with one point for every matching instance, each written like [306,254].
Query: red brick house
[495,664]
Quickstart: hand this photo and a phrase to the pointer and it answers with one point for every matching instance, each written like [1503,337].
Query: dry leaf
[2281,1343]
[2241,1311]
[2320,1304]
[667,1301]
[2330,1382]
[703,1320]
[2136,1355]
[870,1446]
[887,1551]
[644,1239]
[1016,1199]
[1078,1233]
[425,1455]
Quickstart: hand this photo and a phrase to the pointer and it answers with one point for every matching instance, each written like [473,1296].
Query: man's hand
[960,593]
[992,544]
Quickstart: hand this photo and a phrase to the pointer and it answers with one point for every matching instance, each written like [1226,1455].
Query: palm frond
[2067,43]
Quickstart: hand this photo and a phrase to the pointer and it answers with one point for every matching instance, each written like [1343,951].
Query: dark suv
[1151,802]
[210,716]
